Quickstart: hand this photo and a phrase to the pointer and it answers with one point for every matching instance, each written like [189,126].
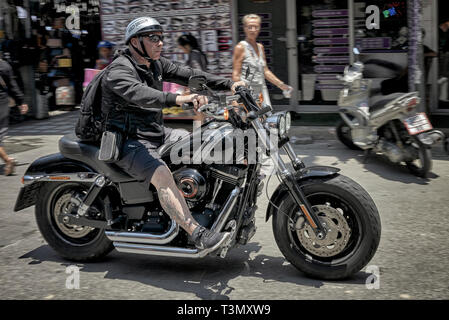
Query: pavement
[412,257]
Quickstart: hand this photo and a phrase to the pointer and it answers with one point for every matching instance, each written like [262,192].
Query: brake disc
[337,235]
[62,206]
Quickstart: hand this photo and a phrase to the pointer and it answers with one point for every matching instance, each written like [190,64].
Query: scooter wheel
[423,164]
[344,135]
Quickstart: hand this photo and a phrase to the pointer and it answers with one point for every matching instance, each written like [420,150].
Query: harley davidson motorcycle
[392,126]
[325,224]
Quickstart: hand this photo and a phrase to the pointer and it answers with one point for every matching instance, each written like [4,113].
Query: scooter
[387,124]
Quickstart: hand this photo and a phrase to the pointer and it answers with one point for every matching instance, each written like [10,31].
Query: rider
[132,102]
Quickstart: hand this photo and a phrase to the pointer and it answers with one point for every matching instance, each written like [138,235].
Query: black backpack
[89,127]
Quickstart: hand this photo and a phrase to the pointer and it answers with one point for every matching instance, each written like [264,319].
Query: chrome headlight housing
[279,123]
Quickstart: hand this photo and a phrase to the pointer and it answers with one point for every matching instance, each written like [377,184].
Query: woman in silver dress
[249,53]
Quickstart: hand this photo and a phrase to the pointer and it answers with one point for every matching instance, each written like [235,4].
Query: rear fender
[302,175]
[54,167]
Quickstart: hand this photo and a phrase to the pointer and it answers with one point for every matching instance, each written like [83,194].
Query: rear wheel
[78,243]
[344,135]
[352,222]
[422,164]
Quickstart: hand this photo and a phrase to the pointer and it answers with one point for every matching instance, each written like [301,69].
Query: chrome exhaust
[144,238]
[226,210]
[168,251]
[153,244]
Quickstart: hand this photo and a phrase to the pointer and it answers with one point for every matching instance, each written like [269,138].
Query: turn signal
[226,114]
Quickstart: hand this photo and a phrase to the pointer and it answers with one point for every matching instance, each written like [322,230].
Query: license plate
[417,124]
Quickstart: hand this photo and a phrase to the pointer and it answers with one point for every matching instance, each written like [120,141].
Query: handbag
[111,144]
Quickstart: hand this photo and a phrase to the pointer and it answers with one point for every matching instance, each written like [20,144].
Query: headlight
[279,123]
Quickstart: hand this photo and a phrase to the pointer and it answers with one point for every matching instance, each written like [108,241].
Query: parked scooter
[387,124]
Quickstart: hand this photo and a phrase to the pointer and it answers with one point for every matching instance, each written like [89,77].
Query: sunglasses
[154,37]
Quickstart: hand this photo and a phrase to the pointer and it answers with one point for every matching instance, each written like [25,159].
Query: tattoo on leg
[171,203]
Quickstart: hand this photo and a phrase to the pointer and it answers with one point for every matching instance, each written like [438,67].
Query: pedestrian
[105,54]
[197,60]
[250,54]
[132,103]
[8,87]
[189,44]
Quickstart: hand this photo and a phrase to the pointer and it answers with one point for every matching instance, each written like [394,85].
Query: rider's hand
[240,83]
[196,99]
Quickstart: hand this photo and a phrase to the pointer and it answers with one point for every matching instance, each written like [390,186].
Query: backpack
[89,127]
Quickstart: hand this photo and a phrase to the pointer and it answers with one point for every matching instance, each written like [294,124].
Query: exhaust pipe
[144,238]
[168,251]
[227,209]
[152,244]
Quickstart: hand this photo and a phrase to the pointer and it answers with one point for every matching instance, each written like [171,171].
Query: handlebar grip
[187,106]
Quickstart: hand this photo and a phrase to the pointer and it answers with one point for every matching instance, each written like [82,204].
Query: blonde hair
[251,16]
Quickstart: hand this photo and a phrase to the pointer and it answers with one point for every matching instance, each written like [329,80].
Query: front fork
[288,178]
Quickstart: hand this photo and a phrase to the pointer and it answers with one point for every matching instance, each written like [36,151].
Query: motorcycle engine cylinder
[191,183]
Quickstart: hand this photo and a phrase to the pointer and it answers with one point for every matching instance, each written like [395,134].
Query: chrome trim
[226,210]
[168,251]
[72,177]
[144,238]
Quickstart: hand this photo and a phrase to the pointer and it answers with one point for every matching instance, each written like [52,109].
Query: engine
[191,183]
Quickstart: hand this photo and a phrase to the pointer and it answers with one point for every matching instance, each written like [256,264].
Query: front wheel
[352,222]
[72,242]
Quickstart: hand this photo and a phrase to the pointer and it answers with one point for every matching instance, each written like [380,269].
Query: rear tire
[344,135]
[358,211]
[423,165]
[75,243]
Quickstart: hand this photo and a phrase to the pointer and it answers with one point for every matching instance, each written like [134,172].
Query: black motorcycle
[324,223]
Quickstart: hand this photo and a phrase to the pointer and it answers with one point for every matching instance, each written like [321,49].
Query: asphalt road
[412,257]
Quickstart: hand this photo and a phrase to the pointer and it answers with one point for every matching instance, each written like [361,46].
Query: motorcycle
[387,124]
[325,224]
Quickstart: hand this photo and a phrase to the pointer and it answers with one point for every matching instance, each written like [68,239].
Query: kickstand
[366,155]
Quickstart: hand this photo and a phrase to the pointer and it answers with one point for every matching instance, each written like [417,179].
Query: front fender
[51,164]
[302,175]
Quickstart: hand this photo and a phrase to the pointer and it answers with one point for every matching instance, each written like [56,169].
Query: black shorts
[139,158]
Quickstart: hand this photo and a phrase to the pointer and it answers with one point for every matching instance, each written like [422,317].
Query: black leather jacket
[132,97]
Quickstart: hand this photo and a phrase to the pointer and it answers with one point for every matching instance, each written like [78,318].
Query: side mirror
[197,84]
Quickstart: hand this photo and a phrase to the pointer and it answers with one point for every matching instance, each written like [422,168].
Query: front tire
[77,243]
[352,209]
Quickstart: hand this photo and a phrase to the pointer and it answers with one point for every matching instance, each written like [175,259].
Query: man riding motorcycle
[132,105]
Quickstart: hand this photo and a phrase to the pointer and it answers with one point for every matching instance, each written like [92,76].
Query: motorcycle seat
[379,102]
[71,147]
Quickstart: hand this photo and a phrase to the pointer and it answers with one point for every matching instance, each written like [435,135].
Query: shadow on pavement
[209,278]
[376,164]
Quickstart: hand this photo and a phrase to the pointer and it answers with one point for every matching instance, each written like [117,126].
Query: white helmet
[142,25]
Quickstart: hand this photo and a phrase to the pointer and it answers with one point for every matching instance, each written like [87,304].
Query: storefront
[49,43]
[310,42]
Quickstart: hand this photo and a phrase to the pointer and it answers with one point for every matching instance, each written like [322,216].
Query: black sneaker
[205,239]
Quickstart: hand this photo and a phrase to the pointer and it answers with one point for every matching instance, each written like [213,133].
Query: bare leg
[171,199]
[4,156]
